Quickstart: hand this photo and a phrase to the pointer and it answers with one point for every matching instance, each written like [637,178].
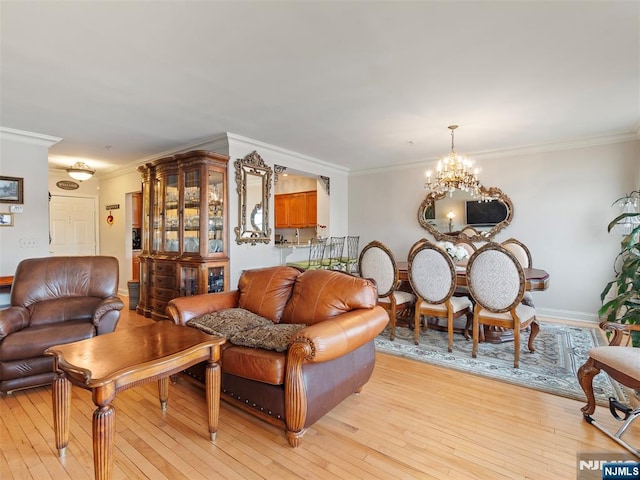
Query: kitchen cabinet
[296,210]
[184,229]
[136,210]
[135,267]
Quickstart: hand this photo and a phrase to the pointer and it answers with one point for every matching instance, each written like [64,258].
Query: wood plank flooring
[411,421]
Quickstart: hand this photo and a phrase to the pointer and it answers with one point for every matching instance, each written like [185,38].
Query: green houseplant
[624,305]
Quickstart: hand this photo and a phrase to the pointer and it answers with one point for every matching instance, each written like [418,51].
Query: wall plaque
[67,185]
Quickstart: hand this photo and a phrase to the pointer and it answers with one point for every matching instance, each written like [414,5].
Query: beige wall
[25,155]
[562,205]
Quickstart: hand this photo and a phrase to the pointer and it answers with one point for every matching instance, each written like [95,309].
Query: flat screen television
[485,214]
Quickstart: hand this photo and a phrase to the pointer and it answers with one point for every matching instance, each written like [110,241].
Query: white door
[72,226]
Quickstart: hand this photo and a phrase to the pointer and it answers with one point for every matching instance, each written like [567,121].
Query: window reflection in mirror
[447,217]
[301,206]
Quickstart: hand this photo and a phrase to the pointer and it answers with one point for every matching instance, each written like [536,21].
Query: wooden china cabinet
[184,229]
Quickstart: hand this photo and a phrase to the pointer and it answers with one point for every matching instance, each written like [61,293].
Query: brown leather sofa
[329,359]
[54,300]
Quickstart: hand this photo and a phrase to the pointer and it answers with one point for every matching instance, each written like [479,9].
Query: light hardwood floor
[411,421]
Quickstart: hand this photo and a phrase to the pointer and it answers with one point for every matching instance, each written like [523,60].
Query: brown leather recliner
[54,300]
[331,358]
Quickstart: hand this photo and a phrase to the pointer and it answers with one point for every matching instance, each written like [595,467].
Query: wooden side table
[108,364]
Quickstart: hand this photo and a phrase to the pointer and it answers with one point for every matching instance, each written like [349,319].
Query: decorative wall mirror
[450,217]
[253,178]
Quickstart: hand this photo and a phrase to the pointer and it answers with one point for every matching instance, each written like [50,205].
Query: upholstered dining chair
[496,282]
[377,262]
[316,255]
[432,276]
[350,260]
[417,245]
[468,232]
[621,362]
[333,254]
[523,254]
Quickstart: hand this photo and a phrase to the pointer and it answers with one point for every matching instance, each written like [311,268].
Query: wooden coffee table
[108,364]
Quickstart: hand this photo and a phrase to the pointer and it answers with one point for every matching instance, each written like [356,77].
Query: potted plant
[624,305]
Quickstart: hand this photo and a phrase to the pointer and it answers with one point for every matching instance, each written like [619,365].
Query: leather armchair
[54,300]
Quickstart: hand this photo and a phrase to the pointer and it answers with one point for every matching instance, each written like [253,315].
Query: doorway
[72,225]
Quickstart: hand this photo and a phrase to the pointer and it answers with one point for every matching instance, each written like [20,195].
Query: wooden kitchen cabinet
[136,210]
[296,210]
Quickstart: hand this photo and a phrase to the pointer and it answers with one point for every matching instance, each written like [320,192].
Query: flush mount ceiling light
[454,172]
[80,171]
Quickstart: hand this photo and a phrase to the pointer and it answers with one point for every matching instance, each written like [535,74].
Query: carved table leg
[163,392]
[212,379]
[585,376]
[61,409]
[104,419]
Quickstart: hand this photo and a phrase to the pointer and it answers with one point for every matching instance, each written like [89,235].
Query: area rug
[560,351]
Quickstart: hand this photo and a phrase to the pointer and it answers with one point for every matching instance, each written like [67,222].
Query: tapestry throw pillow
[276,336]
[228,322]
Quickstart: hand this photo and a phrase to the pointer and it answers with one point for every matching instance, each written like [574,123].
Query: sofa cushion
[33,341]
[322,294]
[267,366]
[228,322]
[265,291]
[63,309]
[272,337]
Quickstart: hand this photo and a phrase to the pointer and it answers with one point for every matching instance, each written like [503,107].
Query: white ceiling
[361,84]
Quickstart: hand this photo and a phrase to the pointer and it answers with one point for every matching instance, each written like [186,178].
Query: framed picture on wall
[6,219]
[11,190]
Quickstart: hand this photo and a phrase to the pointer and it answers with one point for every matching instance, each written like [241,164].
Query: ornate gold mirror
[450,217]
[253,178]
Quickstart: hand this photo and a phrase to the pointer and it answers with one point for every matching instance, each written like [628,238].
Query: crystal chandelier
[454,173]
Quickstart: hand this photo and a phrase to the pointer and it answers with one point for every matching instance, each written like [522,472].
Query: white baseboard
[585,317]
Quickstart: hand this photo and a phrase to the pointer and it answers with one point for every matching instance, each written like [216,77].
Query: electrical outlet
[16,208]
[28,243]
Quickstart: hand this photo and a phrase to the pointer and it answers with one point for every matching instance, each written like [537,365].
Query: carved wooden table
[108,364]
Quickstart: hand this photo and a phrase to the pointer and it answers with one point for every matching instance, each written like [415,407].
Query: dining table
[536,280]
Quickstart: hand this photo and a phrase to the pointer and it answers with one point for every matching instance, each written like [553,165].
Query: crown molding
[22,136]
[571,144]
[283,151]
[217,143]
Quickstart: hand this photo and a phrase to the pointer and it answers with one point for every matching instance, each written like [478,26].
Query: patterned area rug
[552,368]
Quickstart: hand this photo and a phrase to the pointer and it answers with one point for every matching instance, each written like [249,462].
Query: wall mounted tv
[485,214]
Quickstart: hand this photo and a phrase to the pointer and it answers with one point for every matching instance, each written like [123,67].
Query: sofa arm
[183,309]
[338,336]
[13,319]
[107,305]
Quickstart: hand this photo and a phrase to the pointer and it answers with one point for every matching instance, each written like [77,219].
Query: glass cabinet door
[191,211]
[189,281]
[215,227]
[156,232]
[171,219]
[215,279]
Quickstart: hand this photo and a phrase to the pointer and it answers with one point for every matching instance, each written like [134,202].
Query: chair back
[352,247]
[469,232]
[519,250]
[316,253]
[378,263]
[432,274]
[495,278]
[417,245]
[469,247]
[336,246]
